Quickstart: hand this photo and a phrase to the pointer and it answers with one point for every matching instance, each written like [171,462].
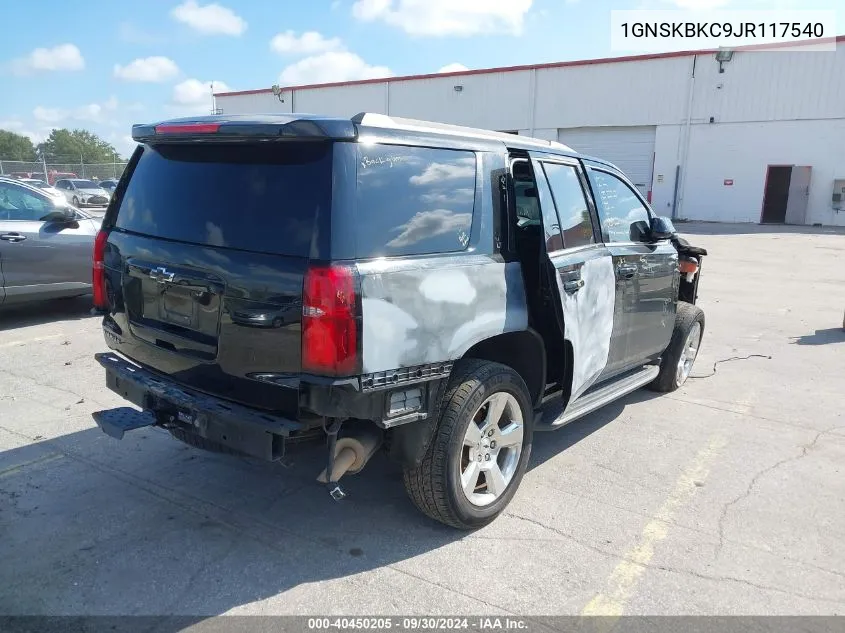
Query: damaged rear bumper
[240,428]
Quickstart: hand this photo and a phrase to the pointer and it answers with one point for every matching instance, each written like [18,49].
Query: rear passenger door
[584,268]
[646,273]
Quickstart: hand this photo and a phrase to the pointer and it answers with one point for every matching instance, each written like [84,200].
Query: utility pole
[44,165]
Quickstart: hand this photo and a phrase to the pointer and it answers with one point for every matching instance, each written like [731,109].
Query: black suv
[383,283]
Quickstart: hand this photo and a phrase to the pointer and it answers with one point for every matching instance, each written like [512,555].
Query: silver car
[83,193]
[43,186]
[45,245]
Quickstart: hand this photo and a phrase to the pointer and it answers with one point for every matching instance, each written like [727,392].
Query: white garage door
[631,149]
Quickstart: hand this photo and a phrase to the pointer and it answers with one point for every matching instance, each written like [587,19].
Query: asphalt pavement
[726,497]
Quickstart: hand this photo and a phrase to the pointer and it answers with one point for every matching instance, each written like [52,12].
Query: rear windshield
[256,197]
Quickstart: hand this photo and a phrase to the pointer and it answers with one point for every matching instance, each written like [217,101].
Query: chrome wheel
[491,449]
[688,354]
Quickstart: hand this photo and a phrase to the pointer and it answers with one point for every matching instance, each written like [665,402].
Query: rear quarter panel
[427,310]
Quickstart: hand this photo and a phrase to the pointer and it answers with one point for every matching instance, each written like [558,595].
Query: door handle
[626,271]
[573,286]
[12,237]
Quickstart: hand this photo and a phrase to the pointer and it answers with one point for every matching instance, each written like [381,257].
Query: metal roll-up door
[631,149]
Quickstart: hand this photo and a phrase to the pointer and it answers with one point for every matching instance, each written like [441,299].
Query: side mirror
[61,215]
[661,229]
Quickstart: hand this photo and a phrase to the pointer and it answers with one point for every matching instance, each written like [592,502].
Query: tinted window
[572,210]
[265,198]
[413,200]
[620,211]
[19,203]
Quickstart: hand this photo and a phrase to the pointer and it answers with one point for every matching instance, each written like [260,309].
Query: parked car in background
[83,193]
[109,184]
[53,176]
[43,186]
[45,245]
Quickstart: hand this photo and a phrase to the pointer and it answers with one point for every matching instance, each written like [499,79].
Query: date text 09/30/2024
[418,624]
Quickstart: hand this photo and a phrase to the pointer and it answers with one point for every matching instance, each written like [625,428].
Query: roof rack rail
[372,119]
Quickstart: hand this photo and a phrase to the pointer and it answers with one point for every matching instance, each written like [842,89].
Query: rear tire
[494,399]
[192,439]
[676,364]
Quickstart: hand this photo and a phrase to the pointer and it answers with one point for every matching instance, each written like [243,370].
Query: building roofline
[505,69]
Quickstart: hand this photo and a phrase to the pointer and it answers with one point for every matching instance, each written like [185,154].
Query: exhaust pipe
[351,454]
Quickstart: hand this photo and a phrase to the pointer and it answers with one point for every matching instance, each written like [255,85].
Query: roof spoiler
[245,127]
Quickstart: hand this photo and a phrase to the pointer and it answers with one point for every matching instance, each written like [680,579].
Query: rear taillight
[688,266]
[99,276]
[329,326]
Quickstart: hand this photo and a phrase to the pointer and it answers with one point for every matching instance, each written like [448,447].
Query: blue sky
[103,65]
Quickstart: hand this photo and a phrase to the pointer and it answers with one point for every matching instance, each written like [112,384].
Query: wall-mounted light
[723,57]
[459,88]
[278,92]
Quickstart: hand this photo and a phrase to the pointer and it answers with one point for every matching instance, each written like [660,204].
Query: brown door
[776,197]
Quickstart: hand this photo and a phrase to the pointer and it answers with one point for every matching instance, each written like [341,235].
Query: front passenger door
[646,273]
[583,265]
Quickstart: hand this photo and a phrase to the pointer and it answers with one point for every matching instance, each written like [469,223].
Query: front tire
[678,359]
[480,450]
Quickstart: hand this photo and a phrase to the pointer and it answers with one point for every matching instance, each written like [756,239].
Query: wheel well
[523,352]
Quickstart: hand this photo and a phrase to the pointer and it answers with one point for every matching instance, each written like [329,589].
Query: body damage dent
[434,310]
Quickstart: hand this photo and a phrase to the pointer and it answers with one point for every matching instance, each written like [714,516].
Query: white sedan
[43,186]
[83,193]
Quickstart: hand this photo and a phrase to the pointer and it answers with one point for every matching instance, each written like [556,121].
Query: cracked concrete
[149,526]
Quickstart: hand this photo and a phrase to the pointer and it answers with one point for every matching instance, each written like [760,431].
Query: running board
[593,400]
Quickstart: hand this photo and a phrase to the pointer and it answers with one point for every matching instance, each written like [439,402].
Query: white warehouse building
[762,140]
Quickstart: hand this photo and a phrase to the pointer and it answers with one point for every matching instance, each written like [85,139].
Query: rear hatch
[208,247]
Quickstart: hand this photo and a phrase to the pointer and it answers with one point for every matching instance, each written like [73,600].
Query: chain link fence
[51,171]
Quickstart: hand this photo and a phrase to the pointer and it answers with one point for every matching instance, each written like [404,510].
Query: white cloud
[49,115]
[427,224]
[193,92]
[699,4]
[446,17]
[438,172]
[11,125]
[453,68]
[309,43]
[91,112]
[62,57]
[209,19]
[150,69]
[329,67]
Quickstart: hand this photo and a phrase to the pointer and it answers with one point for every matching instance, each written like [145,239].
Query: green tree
[72,145]
[15,146]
